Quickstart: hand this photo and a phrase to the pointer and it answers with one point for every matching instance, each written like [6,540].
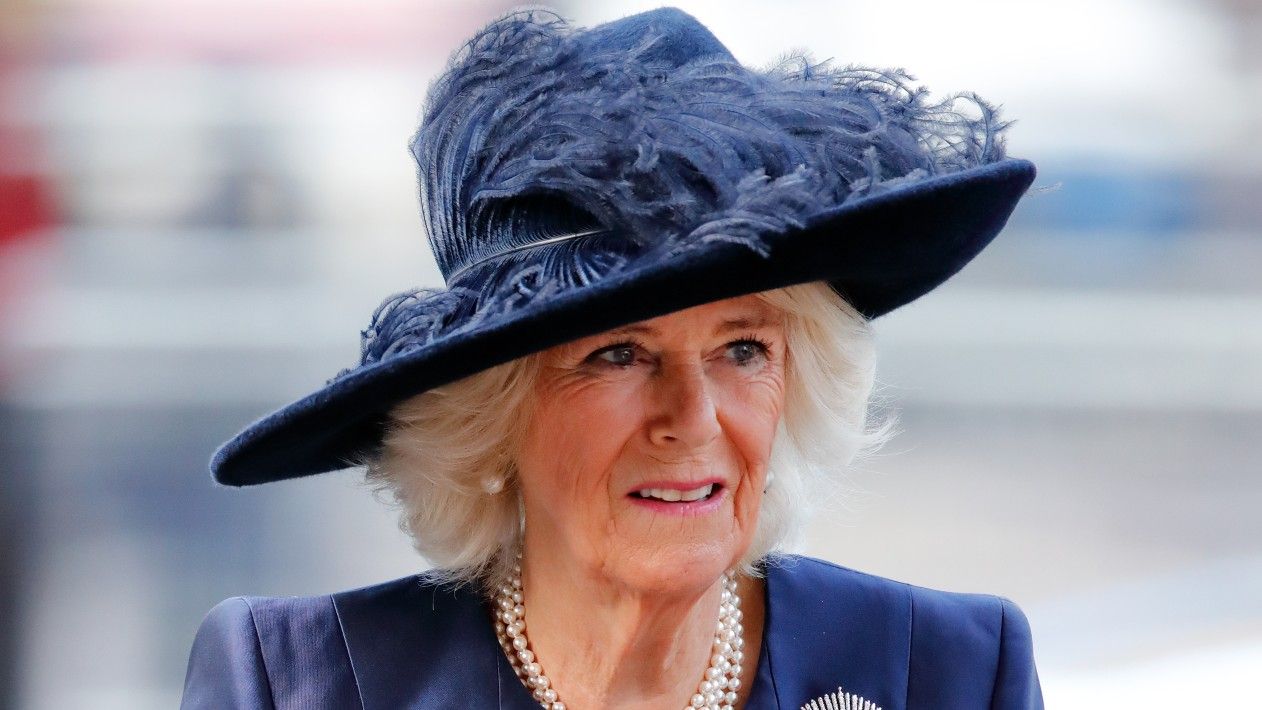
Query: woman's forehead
[746,311]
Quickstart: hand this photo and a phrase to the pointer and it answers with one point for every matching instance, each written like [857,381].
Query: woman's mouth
[681,501]
[674,495]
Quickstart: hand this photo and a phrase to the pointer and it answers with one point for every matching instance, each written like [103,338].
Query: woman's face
[646,453]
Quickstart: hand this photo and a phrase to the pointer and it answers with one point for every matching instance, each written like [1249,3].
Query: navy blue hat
[574,180]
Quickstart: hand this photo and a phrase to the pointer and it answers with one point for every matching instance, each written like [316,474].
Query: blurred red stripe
[26,206]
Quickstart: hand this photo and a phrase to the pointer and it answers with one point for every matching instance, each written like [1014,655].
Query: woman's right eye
[619,354]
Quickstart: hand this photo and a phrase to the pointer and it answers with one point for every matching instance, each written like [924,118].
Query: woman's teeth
[672,495]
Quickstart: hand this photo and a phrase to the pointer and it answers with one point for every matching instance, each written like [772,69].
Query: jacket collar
[824,629]
[415,644]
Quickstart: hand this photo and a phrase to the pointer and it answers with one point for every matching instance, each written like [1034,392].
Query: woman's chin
[672,552]
[675,569]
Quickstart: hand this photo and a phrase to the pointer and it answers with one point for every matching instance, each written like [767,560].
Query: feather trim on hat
[532,131]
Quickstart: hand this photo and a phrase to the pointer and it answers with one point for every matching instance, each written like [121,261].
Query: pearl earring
[771,476]
[492,484]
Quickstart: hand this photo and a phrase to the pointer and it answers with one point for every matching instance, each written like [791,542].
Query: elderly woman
[652,354]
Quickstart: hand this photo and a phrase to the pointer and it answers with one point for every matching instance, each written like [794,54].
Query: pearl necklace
[717,690]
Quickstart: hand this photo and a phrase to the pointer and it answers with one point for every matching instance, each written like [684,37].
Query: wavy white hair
[441,445]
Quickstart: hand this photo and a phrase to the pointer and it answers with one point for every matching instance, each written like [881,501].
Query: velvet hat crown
[573,180]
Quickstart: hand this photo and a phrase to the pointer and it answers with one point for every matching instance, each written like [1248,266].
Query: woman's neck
[604,645]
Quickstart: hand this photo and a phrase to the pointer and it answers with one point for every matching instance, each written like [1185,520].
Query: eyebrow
[741,323]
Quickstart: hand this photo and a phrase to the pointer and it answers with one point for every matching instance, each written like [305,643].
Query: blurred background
[202,202]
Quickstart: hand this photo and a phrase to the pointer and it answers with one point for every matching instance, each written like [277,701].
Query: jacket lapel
[828,626]
[418,645]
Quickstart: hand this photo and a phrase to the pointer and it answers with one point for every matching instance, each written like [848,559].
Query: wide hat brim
[879,252]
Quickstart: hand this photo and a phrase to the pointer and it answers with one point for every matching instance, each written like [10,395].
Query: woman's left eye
[749,349]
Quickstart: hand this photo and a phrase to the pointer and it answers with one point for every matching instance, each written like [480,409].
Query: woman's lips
[679,498]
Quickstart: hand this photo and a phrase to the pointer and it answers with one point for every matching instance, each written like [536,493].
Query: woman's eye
[622,355]
[747,351]
[744,352]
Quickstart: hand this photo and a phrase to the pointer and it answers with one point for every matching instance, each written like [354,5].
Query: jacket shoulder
[970,615]
[289,651]
[225,664]
[299,635]
[826,575]
[959,645]
[975,645]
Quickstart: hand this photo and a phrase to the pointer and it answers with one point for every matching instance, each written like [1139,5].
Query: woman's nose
[685,416]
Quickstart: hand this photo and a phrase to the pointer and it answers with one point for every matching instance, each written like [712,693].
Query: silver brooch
[841,701]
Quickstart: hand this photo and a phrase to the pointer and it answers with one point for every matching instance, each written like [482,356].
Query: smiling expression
[646,452]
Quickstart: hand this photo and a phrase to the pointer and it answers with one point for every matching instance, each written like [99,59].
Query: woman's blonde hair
[440,446]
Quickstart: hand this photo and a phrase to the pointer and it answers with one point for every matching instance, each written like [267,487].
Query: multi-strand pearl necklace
[718,687]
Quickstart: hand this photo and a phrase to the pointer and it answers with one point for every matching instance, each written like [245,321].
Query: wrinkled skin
[621,596]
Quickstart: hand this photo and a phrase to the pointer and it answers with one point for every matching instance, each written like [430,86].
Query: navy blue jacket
[410,643]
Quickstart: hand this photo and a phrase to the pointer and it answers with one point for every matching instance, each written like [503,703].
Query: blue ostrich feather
[534,130]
